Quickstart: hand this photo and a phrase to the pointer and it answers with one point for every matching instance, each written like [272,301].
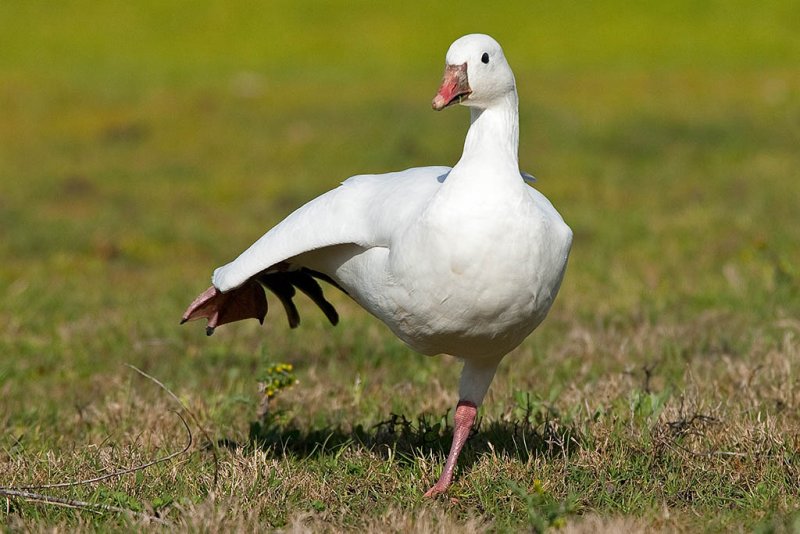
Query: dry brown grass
[724,432]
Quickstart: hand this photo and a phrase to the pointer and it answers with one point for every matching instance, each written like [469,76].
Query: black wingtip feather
[282,284]
[305,282]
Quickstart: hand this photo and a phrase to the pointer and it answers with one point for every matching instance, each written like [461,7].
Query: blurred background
[143,144]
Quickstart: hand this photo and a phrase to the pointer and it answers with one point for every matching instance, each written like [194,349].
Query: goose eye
[485,57]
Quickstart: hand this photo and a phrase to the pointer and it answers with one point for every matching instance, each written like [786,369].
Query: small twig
[119,473]
[21,492]
[189,412]
[73,503]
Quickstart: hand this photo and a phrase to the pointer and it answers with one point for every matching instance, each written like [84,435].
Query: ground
[143,144]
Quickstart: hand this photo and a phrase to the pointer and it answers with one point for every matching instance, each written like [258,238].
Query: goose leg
[475,379]
[464,419]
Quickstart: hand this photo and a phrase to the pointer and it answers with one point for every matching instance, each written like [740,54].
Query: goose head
[476,74]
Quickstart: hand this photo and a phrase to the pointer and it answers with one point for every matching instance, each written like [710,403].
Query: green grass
[143,144]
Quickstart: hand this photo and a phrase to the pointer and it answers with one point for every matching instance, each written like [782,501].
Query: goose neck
[494,132]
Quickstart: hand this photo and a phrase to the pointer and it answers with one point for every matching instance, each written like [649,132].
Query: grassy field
[143,144]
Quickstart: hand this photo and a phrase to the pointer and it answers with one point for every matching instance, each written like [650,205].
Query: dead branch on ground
[23,492]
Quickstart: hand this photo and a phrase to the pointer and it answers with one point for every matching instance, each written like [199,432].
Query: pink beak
[455,87]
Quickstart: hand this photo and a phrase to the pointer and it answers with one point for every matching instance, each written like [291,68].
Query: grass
[143,144]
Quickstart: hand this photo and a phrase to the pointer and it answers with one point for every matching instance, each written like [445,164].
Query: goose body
[464,261]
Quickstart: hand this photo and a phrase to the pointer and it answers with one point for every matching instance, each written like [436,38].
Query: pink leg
[464,418]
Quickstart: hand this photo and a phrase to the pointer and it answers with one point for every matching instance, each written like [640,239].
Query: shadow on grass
[533,433]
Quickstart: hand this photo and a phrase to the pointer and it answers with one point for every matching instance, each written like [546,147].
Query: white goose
[464,261]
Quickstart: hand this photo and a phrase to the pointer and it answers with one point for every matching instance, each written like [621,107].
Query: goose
[464,261]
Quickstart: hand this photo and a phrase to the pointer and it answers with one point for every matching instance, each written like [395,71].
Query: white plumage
[464,260]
